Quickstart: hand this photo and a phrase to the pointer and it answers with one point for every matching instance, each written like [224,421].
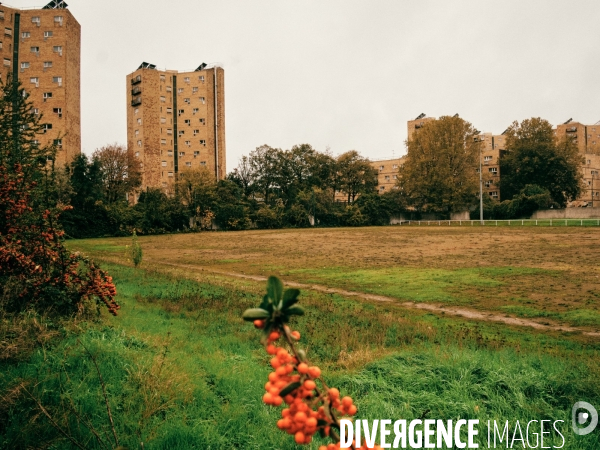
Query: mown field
[181,370]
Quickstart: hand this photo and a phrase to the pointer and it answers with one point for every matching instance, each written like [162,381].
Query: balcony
[136,90]
[136,80]
[136,101]
[571,130]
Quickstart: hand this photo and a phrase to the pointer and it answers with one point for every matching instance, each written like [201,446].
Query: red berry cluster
[310,408]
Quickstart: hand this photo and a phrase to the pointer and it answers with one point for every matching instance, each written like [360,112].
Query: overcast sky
[346,74]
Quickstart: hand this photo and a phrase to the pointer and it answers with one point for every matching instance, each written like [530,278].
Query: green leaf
[255,314]
[290,388]
[290,297]
[266,303]
[274,289]
[295,311]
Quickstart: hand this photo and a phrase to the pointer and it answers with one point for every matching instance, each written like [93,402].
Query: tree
[196,188]
[535,156]
[120,171]
[36,270]
[440,172]
[355,175]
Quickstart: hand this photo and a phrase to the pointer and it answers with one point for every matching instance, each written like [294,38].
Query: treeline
[270,188]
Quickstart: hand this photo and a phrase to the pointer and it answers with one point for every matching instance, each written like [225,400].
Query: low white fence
[499,223]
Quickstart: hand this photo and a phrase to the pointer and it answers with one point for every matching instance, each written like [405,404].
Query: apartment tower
[42,48]
[176,122]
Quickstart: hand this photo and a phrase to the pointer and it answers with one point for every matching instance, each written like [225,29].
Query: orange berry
[281,371]
[259,324]
[267,398]
[271,349]
[347,401]
[310,385]
[307,439]
[334,394]
[352,410]
[314,372]
[275,363]
[303,368]
[273,377]
[273,336]
[300,417]
[295,335]
[311,422]
[277,400]
[299,437]
[285,412]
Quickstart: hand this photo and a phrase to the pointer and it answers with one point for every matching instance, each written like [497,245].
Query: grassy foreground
[182,371]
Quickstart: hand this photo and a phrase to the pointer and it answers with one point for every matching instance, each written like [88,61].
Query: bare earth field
[543,277]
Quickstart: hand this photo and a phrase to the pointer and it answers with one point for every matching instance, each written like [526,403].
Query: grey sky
[346,74]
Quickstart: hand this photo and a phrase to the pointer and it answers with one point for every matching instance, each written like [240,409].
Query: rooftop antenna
[200,67]
[420,116]
[505,131]
[455,115]
[568,121]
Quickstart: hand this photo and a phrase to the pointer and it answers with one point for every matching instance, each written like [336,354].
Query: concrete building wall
[174,123]
[48,63]
[387,173]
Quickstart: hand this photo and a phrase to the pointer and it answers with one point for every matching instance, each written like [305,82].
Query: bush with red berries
[311,406]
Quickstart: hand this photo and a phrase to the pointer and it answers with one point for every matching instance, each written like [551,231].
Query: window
[36,20]
[188,121]
[203,100]
[24,65]
[57,80]
[494,194]
[6,62]
[202,142]
[493,170]
[164,164]
[387,178]
[488,183]
[180,91]
[139,121]
[35,111]
[47,95]
[139,143]
[180,112]
[196,153]
[136,110]
[589,161]
[48,34]
[2,15]
[25,34]
[188,143]
[194,90]
[164,183]
[163,99]
[163,142]
[0,44]
[58,19]
[169,131]
[58,142]
[186,79]
[181,132]
[196,132]
[137,154]
[35,80]
[57,49]
[203,121]
[169,152]
[169,110]
[395,177]
[181,153]
[46,127]
[201,78]
[186,100]
[162,78]
[137,132]
[188,164]
[381,168]
[35,49]
[8,31]
[47,64]
[487,158]
[395,166]
[382,188]
[170,174]
[194,111]
[169,88]
[57,111]
[202,163]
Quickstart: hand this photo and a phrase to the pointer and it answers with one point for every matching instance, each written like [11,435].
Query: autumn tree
[119,170]
[440,172]
[534,156]
[354,175]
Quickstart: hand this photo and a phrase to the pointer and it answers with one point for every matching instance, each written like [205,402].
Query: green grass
[182,370]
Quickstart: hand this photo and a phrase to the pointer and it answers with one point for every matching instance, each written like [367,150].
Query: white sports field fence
[507,223]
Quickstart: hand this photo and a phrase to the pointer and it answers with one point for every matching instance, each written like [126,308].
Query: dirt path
[453,311]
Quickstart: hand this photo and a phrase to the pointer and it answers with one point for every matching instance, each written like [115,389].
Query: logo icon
[580,418]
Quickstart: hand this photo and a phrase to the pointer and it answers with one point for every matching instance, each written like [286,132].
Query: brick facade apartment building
[176,122]
[42,48]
